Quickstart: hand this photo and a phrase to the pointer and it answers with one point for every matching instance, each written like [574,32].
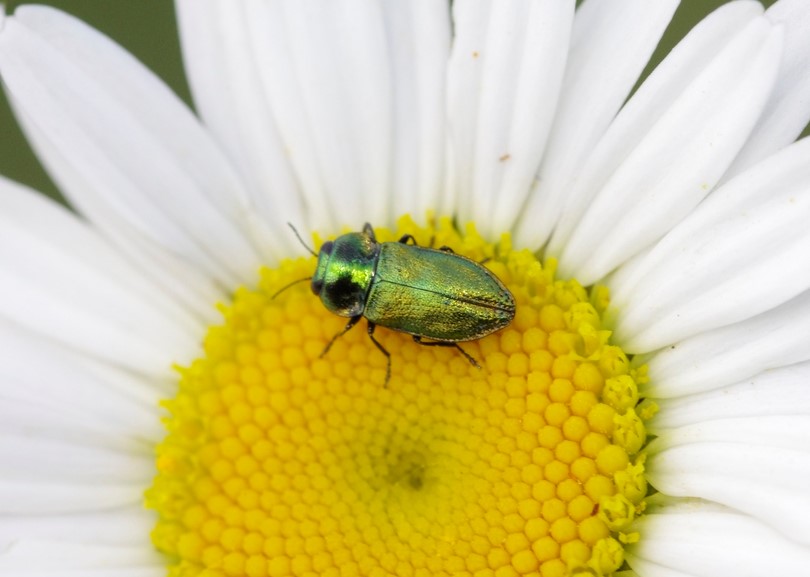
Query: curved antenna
[286,286]
[298,236]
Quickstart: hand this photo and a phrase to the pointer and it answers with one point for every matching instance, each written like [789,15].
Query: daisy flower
[167,406]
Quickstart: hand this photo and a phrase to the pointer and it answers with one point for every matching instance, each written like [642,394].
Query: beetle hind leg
[468,356]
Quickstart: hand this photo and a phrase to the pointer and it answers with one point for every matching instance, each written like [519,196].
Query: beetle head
[344,272]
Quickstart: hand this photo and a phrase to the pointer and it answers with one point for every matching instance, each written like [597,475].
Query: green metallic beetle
[424,292]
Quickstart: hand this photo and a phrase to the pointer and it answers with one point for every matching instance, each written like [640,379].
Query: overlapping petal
[352,94]
[716,358]
[503,79]
[776,392]
[788,109]
[127,153]
[742,446]
[44,558]
[218,53]
[60,279]
[647,172]
[737,255]
[611,43]
[696,539]
[712,460]
[115,527]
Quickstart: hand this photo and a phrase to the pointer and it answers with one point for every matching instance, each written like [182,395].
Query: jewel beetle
[428,293]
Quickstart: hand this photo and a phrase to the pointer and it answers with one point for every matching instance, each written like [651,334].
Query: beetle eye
[326,248]
[317,285]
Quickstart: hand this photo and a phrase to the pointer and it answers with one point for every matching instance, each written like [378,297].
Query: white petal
[73,398]
[57,497]
[50,558]
[418,34]
[610,44]
[503,83]
[757,465]
[778,392]
[788,432]
[708,543]
[158,569]
[28,459]
[659,92]
[325,71]
[670,144]
[124,526]
[737,255]
[714,359]
[645,568]
[123,148]
[69,424]
[224,76]
[60,279]
[788,109]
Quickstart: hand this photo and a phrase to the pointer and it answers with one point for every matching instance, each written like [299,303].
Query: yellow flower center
[280,461]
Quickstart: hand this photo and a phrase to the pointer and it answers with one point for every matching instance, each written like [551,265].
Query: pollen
[280,460]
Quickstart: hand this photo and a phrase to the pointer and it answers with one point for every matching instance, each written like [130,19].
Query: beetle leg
[451,251]
[408,237]
[367,230]
[371,327]
[352,321]
[417,339]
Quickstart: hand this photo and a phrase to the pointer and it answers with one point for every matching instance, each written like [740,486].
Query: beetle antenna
[298,236]
[286,286]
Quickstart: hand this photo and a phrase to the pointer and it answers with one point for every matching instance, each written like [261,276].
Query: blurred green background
[147,28]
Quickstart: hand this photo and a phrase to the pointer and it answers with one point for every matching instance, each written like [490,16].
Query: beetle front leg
[371,327]
[408,237]
[352,321]
[468,356]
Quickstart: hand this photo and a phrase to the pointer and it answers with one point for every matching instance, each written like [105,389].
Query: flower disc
[282,461]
